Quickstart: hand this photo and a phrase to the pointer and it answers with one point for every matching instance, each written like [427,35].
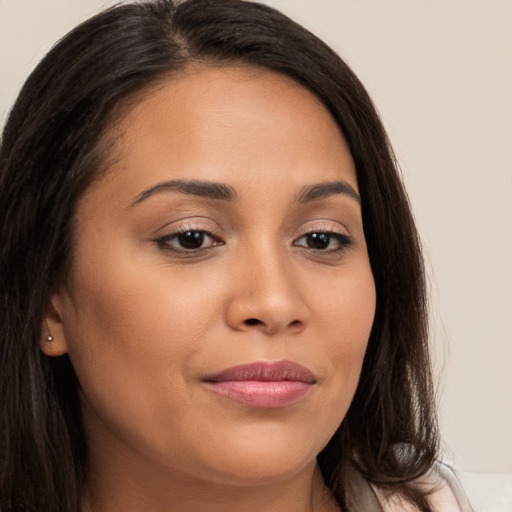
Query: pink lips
[264,385]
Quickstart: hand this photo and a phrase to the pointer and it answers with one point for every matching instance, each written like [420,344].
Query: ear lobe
[53,340]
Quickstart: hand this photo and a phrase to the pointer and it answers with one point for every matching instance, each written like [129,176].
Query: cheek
[347,312]
[130,336]
[127,306]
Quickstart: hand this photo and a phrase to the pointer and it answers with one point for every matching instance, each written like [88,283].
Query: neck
[137,488]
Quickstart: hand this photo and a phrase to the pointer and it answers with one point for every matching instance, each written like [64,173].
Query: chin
[262,458]
[250,472]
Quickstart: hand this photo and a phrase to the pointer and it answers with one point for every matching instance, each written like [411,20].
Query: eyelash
[166,241]
[344,241]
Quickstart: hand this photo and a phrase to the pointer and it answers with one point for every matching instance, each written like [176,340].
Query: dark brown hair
[54,146]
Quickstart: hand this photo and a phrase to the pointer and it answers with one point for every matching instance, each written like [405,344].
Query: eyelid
[337,231]
[192,223]
[344,240]
[165,243]
[323,226]
[174,229]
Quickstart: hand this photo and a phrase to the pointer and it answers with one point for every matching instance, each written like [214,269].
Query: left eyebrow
[325,190]
[206,189]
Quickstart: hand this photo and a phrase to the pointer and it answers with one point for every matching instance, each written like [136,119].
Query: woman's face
[227,233]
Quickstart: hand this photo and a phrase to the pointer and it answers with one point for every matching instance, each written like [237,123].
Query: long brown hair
[55,144]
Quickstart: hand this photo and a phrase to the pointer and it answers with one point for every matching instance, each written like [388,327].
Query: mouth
[263,385]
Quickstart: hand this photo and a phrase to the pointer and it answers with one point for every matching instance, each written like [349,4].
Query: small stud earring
[50,338]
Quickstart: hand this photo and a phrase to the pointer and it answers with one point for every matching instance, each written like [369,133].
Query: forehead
[239,125]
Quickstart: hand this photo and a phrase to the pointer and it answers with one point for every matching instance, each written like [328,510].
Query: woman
[212,290]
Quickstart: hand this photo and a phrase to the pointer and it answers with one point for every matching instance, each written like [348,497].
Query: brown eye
[324,241]
[191,239]
[318,240]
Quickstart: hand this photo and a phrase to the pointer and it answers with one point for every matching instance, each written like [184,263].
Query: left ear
[53,339]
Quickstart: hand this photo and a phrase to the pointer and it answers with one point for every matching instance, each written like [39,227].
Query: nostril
[252,321]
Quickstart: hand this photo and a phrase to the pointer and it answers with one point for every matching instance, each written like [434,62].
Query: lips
[263,385]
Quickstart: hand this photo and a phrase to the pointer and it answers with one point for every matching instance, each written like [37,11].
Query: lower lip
[269,395]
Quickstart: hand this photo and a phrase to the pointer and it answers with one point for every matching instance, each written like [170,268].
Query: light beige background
[440,73]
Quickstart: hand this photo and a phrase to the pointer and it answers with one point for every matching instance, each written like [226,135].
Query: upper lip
[265,372]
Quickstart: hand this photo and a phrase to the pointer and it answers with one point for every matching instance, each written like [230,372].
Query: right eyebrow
[327,189]
[207,189]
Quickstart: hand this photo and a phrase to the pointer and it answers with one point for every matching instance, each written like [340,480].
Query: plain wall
[440,73]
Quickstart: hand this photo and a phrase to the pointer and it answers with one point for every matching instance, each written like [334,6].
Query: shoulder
[445,493]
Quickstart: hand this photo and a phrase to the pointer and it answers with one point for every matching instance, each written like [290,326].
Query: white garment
[443,489]
[447,494]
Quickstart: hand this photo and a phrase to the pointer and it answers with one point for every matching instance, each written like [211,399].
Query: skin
[144,320]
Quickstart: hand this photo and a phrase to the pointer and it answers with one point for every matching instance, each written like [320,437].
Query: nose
[267,297]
